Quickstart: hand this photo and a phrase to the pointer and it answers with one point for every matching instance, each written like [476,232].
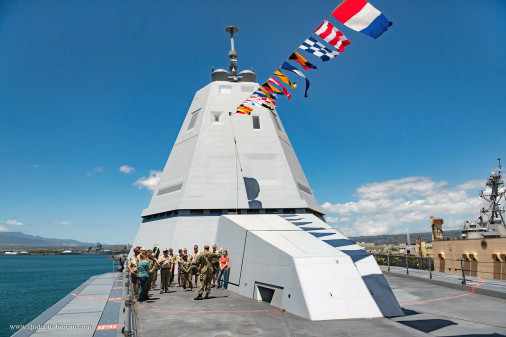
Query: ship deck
[430,309]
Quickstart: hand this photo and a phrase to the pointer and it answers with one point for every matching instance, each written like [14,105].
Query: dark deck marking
[110,314]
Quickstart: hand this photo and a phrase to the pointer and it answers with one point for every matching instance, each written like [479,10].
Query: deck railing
[129,328]
[485,269]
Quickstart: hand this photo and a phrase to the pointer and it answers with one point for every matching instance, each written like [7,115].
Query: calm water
[29,284]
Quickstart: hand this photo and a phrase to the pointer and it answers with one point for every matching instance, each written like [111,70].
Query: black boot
[198,298]
[207,296]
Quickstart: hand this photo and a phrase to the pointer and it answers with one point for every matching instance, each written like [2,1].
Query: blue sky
[394,129]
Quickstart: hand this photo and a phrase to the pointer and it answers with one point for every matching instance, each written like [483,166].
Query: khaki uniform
[173,261]
[216,265]
[186,268]
[193,259]
[165,273]
[205,260]
[134,266]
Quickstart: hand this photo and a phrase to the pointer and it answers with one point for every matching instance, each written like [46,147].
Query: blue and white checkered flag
[314,47]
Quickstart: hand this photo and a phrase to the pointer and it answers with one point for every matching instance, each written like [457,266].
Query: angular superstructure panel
[314,278]
[223,160]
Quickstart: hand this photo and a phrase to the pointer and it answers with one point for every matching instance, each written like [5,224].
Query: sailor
[133,267]
[193,259]
[216,267]
[121,265]
[166,266]
[153,270]
[186,277]
[205,267]
[172,262]
[179,259]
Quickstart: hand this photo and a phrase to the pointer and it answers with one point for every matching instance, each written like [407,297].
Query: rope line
[237,161]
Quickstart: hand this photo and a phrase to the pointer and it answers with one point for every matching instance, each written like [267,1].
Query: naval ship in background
[481,248]
[490,224]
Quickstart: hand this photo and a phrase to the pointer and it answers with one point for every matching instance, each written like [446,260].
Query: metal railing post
[430,267]
[407,266]
[128,307]
[463,273]
[388,261]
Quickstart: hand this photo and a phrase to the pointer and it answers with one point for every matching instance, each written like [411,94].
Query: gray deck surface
[430,310]
[94,303]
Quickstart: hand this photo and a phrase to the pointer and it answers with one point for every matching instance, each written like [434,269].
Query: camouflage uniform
[152,275]
[205,260]
[186,276]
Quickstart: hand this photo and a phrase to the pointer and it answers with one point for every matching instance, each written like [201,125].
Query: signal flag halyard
[332,35]
[358,15]
[302,61]
[361,16]
[274,81]
[316,48]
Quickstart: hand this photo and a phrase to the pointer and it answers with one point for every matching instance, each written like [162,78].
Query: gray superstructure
[490,223]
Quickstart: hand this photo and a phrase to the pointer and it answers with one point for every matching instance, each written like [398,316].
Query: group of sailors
[211,266]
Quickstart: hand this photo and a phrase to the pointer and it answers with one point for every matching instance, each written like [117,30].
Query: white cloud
[149,182]
[403,205]
[62,223]
[330,219]
[126,169]
[99,169]
[14,223]
[3,228]
[472,184]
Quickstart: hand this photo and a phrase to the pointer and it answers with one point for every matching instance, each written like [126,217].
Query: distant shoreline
[60,252]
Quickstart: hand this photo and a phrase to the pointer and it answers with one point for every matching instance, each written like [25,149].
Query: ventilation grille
[170,189]
[304,188]
[195,114]
[225,89]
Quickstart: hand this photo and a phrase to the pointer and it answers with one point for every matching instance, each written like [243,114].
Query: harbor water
[30,284]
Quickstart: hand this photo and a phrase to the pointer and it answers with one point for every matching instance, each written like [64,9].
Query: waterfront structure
[235,180]
[481,251]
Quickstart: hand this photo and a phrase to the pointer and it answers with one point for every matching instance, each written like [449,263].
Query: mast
[494,212]
[232,53]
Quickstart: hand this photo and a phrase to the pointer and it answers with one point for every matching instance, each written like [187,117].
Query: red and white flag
[332,35]
[274,81]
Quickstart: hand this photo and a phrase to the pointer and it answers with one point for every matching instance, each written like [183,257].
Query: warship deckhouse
[235,180]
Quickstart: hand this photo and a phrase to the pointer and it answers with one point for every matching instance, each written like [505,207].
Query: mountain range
[9,240]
